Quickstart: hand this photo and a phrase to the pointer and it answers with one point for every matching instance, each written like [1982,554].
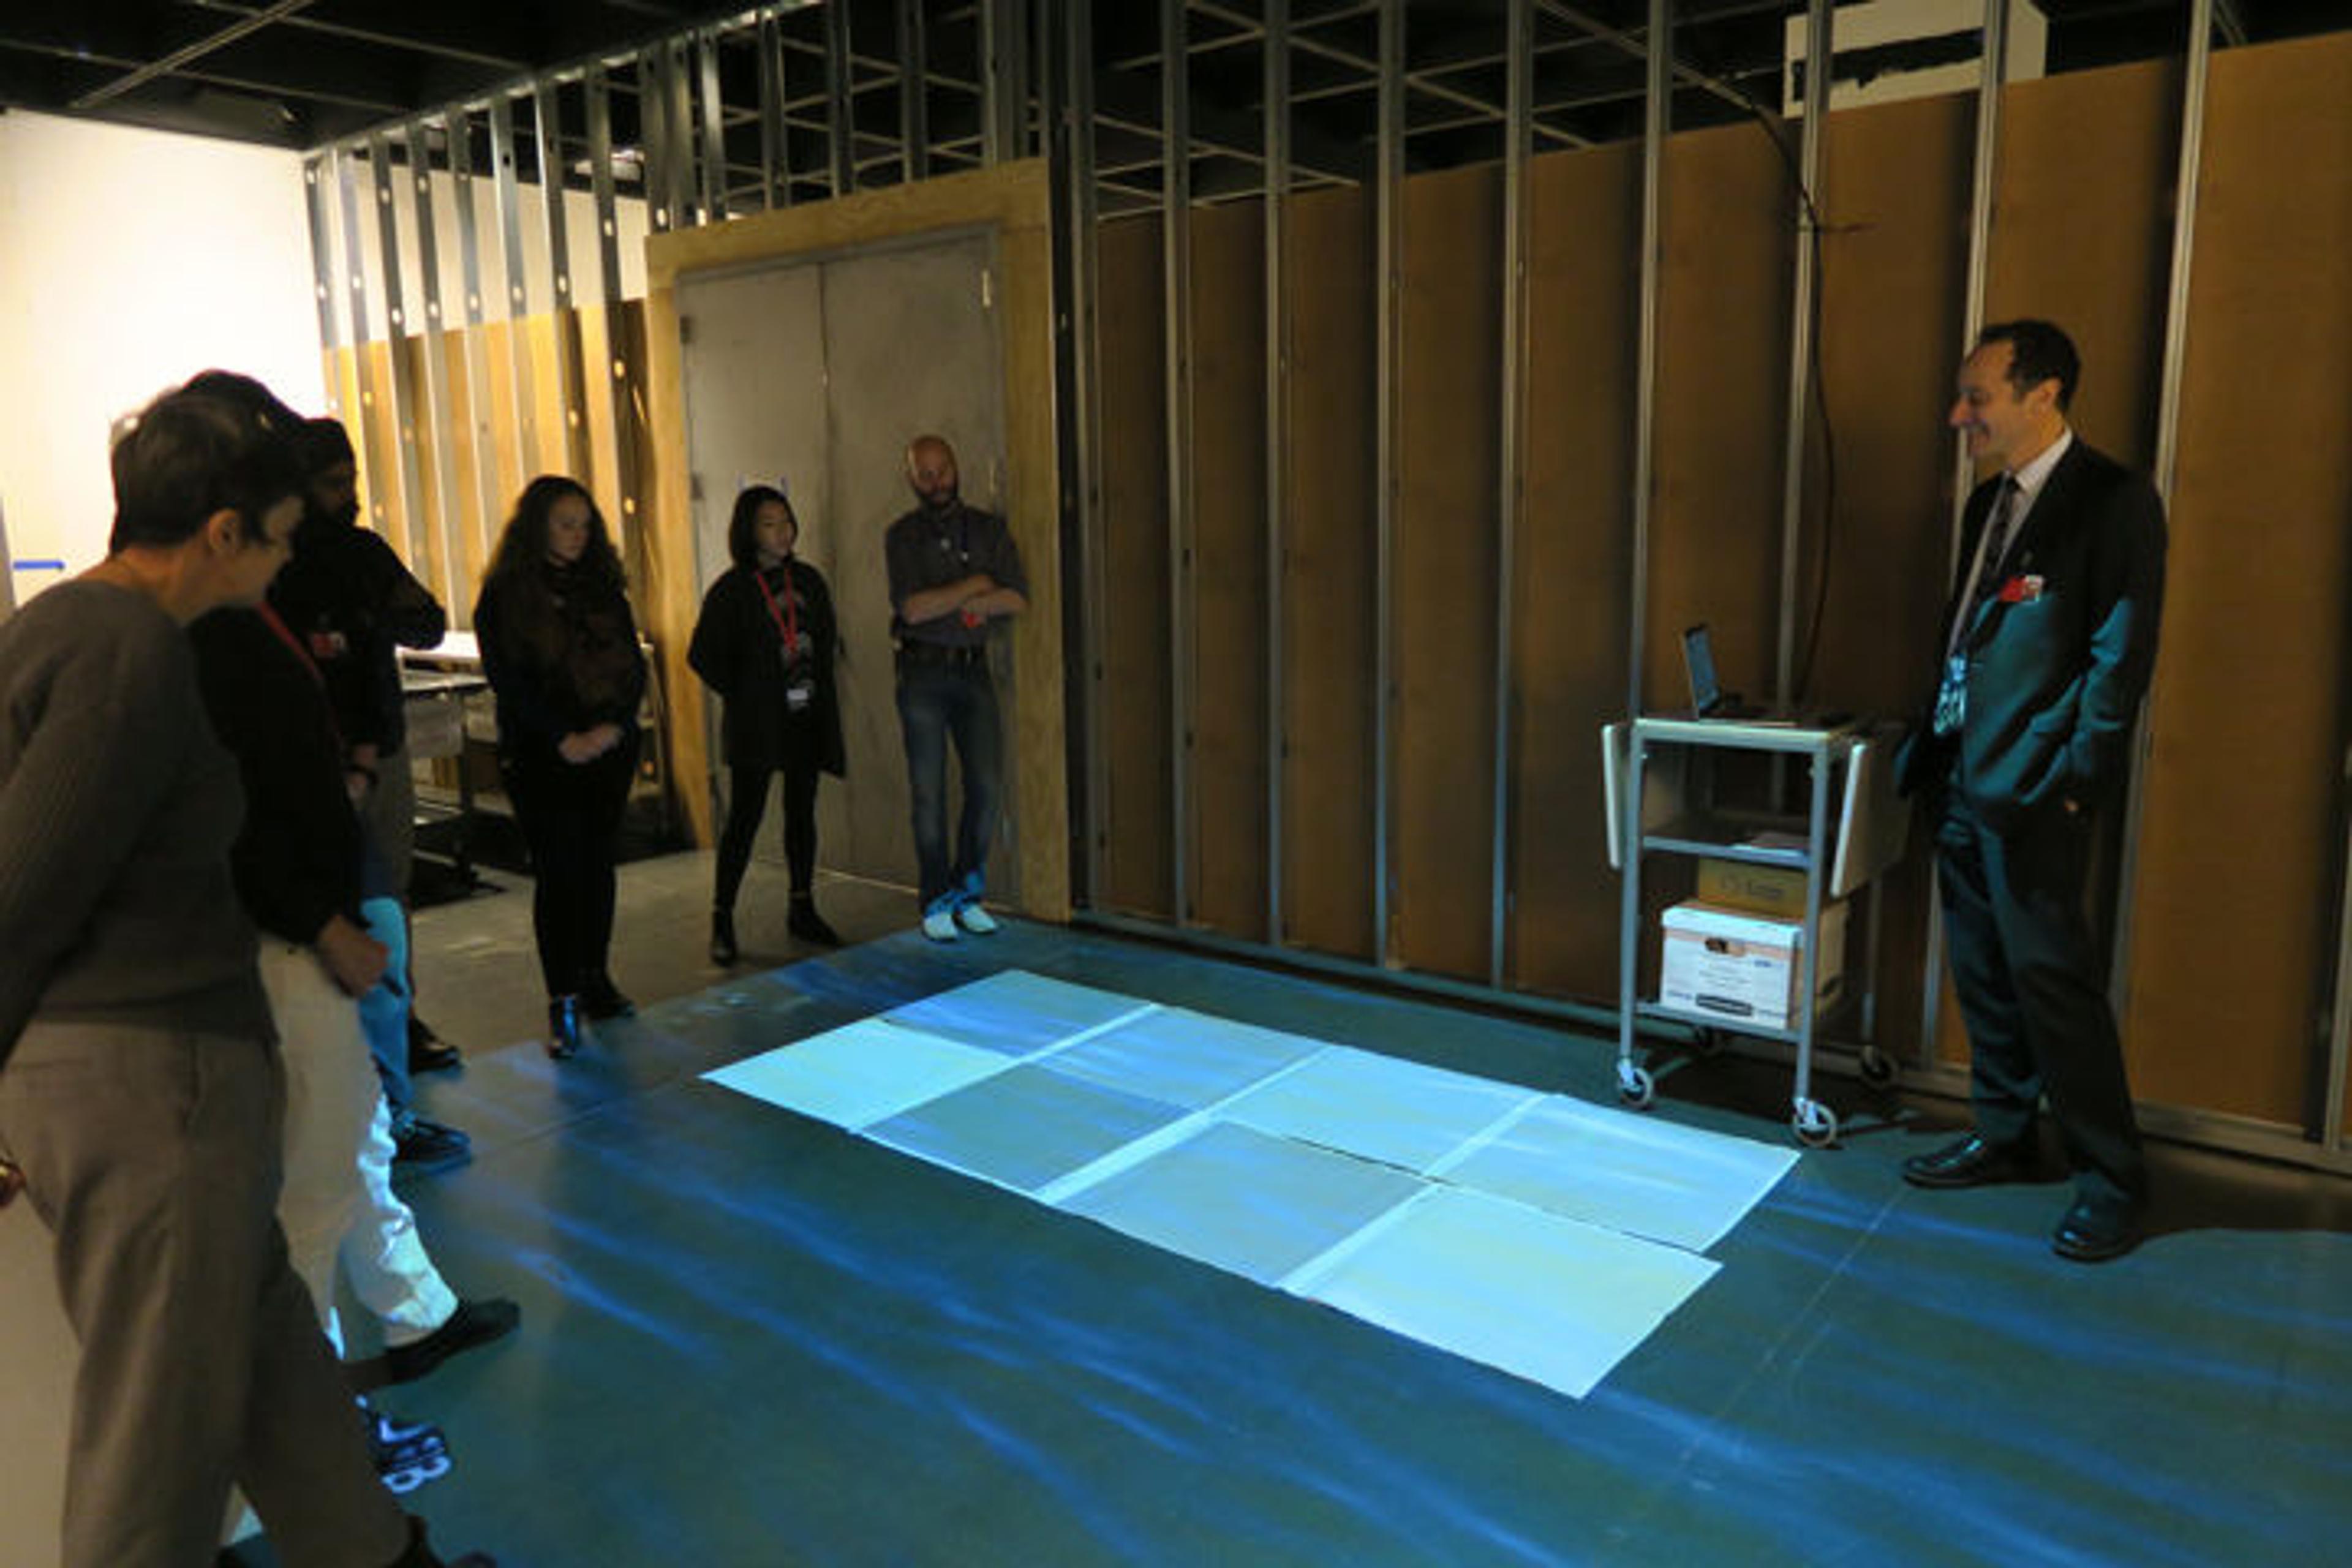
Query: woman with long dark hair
[559,649]
[765,643]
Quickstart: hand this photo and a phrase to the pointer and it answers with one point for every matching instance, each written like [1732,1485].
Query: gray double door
[812,375]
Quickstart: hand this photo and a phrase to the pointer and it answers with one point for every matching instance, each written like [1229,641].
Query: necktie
[1998,529]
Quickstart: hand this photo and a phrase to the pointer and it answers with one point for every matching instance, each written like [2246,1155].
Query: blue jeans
[937,702]
[384,1011]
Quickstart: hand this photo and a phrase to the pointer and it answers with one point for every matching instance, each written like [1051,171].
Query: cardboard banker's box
[1734,967]
[1759,889]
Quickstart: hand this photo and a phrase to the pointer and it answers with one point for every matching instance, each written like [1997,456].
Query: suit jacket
[2059,658]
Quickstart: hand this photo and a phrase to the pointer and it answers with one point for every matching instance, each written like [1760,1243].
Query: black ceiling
[305,73]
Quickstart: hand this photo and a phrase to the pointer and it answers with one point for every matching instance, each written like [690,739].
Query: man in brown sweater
[140,1084]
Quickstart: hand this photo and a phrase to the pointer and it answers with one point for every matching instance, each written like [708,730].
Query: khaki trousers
[153,1158]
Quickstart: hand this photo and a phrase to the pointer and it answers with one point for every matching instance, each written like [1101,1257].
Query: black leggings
[571,818]
[747,802]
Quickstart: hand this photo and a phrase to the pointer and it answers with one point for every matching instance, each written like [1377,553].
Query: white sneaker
[939,926]
[975,919]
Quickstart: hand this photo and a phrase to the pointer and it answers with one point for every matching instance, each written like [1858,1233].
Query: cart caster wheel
[1635,1087]
[1815,1124]
[1707,1042]
[1877,1068]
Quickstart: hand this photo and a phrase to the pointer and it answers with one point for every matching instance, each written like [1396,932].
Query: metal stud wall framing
[1276,171]
[837,137]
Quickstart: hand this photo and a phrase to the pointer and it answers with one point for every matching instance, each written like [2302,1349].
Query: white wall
[130,260]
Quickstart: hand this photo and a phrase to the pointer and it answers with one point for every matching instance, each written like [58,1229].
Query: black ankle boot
[723,950]
[564,1028]
[603,1000]
[808,925]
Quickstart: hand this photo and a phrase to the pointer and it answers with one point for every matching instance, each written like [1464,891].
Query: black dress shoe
[2097,1229]
[603,1000]
[723,950]
[428,1052]
[473,1323]
[808,925]
[1971,1162]
[420,1147]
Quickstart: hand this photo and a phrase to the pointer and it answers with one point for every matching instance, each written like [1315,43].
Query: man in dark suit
[2045,653]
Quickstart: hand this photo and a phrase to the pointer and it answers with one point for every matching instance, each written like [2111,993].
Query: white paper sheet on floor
[1526,1231]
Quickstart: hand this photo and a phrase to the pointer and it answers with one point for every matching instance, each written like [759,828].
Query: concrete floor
[752,1339]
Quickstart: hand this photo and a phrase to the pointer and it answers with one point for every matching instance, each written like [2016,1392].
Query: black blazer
[2058,660]
[737,651]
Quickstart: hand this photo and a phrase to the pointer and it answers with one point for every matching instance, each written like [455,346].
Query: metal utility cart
[1661,800]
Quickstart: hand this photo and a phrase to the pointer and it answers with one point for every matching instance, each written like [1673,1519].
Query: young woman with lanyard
[765,643]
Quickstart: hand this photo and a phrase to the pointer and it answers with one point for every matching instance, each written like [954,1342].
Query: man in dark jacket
[353,605]
[2047,650]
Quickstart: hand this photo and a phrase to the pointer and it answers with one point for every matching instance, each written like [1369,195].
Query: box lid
[1739,925]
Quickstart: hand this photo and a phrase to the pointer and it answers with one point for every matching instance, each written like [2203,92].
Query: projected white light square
[1023,1127]
[1249,1204]
[1015,1012]
[1523,1231]
[1185,1058]
[1645,1177]
[1402,1114]
[1508,1286]
[859,1073]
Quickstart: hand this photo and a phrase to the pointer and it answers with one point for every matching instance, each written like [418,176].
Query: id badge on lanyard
[793,648]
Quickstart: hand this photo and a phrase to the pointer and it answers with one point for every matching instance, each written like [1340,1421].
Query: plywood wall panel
[1722,417]
[2240,839]
[1572,615]
[1895,198]
[1448,511]
[1228,763]
[2081,234]
[1330,577]
[1136,831]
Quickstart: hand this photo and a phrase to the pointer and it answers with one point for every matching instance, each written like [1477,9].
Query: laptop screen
[1698,663]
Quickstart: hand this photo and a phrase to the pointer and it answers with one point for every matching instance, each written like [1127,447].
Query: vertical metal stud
[1518,122]
[374,465]
[1657,123]
[315,172]
[517,275]
[2168,457]
[2340,1027]
[614,374]
[1081,207]
[439,410]
[547,143]
[714,128]
[1982,183]
[487,479]
[775,140]
[653,139]
[1388,243]
[1277,170]
[678,132]
[914,94]
[1818,23]
[841,103]
[404,472]
[1176,268]
[1004,87]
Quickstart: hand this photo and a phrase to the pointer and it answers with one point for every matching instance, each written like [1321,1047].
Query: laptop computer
[1710,701]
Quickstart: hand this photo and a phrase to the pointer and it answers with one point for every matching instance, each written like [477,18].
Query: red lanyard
[268,613]
[788,619]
